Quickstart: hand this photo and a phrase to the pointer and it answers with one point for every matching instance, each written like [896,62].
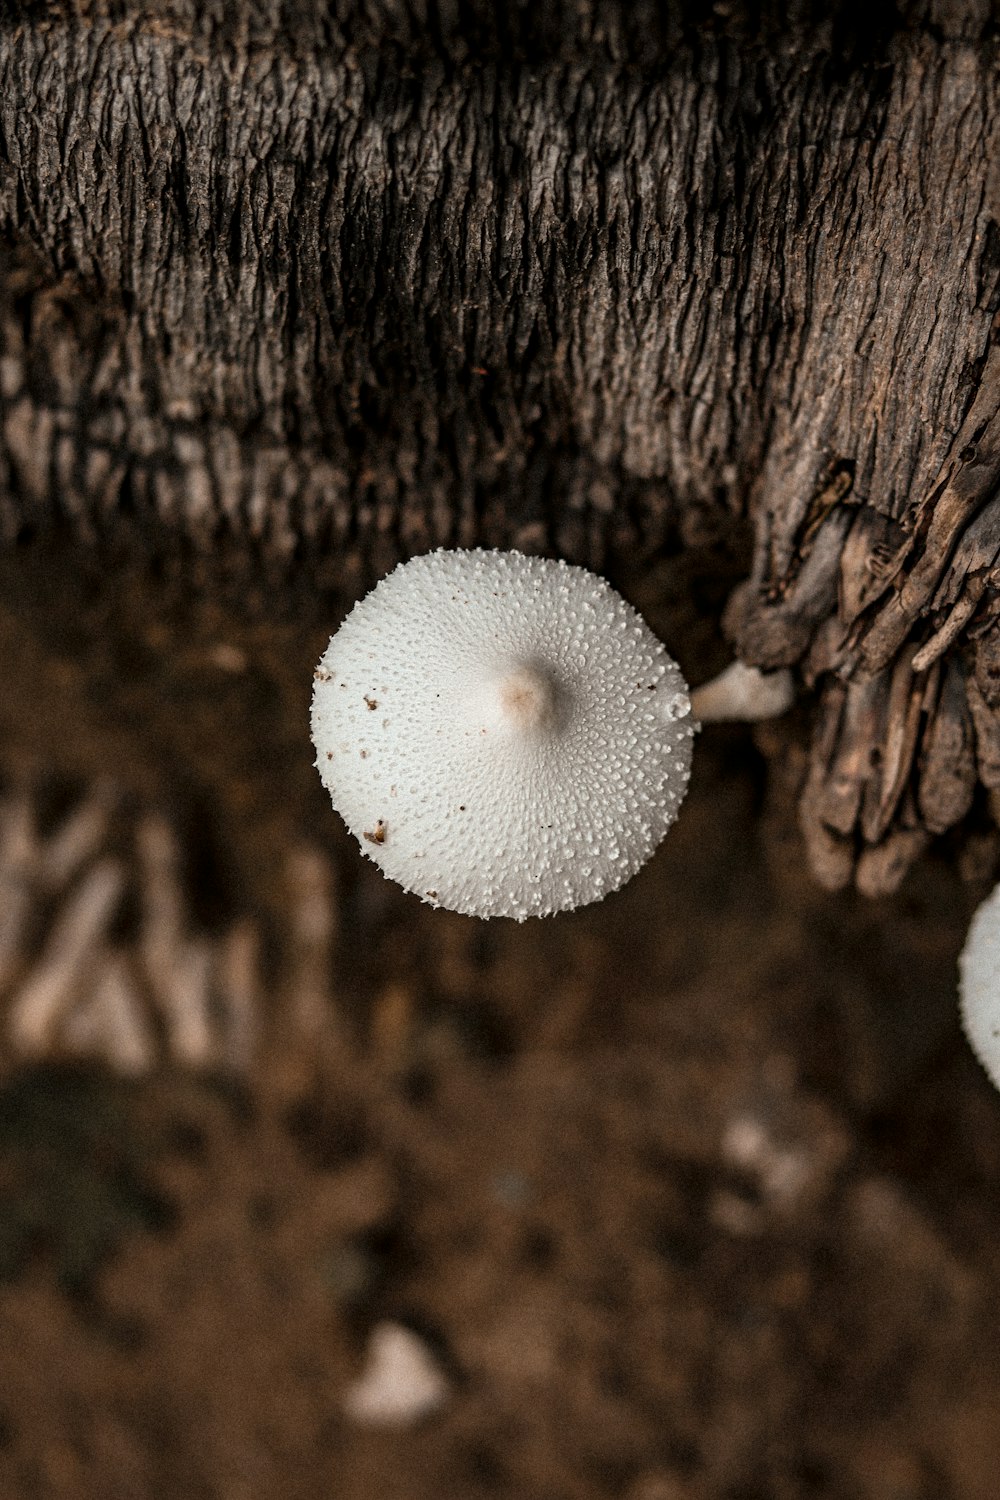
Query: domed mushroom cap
[979,985]
[502,734]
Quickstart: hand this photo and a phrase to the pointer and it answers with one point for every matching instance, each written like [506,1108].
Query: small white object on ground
[162,897]
[18,868]
[179,968]
[185,994]
[74,941]
[782,1170]
[111,1023]
[78,839]
[745,693]
[312,938]
[401,1382]
[502,734]
[240,993]
[86,994]
[979,985]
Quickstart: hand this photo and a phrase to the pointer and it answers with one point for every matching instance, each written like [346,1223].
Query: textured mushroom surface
[979,967]
[502,734]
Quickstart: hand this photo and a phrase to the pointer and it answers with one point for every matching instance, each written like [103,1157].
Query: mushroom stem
[742,692]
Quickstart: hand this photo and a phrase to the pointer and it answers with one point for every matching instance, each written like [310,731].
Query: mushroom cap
[502,734]
[979,985]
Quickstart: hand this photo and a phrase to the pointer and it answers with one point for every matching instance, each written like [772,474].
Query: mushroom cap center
[527,698]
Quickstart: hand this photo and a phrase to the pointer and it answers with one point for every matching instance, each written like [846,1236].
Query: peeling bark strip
[304,281]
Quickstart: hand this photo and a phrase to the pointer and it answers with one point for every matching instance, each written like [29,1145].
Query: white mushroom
[502,734]
[745,693]
[979,985]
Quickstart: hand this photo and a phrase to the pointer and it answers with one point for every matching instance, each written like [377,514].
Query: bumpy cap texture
[502,734]
[979,971]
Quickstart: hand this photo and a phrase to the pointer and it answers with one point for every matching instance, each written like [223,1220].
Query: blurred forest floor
[692,1194]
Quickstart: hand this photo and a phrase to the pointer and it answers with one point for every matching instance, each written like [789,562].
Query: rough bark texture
[323,286]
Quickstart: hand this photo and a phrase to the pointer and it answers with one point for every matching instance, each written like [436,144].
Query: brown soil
[693,1193]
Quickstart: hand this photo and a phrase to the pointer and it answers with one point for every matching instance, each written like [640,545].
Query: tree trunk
[321,286]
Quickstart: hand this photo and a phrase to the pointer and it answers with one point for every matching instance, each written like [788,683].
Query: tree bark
[320,286]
